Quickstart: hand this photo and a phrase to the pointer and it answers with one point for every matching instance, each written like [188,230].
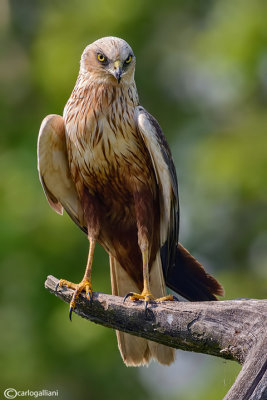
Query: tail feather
[134,350]
[188,278]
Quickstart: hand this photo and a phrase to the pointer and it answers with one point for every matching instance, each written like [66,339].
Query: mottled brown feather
[124,191]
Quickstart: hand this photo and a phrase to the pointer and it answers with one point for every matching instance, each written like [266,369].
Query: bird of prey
[106,162]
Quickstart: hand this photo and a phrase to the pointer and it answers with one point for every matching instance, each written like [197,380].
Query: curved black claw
[57,286]
[70,312]
[127,295]
[175,298]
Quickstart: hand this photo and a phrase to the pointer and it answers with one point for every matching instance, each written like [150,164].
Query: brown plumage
[107,163]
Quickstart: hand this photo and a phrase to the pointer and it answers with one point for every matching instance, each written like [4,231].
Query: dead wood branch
[233,329]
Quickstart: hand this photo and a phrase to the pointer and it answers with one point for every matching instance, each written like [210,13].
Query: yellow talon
[68,284]
[84,285]
[147,296]
[170,297]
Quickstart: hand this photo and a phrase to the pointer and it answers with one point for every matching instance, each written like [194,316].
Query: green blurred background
[202,72]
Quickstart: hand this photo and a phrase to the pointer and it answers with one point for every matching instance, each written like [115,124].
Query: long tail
[136,351]
[188,278]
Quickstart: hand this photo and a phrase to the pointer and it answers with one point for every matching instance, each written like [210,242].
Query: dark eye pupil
[101,57]
[128,60]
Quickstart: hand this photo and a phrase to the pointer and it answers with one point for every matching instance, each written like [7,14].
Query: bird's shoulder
[144,118]
[155,139]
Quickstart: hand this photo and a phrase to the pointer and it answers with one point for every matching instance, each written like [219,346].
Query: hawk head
[109,59]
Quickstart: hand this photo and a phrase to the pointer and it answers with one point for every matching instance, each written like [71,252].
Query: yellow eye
[129,59]
[101,58]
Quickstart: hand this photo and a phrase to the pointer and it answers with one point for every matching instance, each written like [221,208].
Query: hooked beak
[117,72]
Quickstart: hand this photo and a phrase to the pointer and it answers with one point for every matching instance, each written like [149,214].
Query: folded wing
[182,272]
[167,181]
[54,172]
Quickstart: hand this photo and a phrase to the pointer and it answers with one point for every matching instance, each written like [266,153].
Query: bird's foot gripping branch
[233,329]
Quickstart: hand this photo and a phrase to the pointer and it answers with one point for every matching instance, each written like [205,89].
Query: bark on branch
[234,329]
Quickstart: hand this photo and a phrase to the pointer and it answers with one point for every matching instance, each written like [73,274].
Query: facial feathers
[106,56]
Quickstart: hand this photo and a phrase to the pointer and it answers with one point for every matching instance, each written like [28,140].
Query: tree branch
[234,329]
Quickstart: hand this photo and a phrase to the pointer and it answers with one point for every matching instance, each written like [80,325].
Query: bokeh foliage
[202,71]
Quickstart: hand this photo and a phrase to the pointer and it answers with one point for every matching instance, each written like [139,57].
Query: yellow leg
[146,294]
[85,284]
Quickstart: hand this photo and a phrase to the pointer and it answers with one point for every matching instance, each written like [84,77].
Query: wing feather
[54,170]
[167,180]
